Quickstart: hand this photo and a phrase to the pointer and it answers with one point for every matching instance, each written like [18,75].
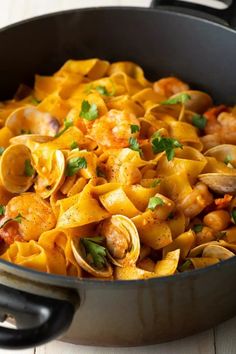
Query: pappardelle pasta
[105,174]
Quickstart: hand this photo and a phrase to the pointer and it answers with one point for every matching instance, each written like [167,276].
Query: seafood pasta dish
[105,174]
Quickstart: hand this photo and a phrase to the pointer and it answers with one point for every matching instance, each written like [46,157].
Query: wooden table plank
[225,337]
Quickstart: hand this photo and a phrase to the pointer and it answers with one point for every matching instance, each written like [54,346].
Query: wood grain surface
[222,339]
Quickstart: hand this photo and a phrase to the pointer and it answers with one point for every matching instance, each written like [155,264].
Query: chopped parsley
[2,209]
[2,149]
[155,183]
[197,228]
[74,165]
[29,170]
[134,145]
[35,101]
[154,202]
[228,159]
[102,90]
[220,235]
[181,98]
[233,214]
[134,128]
[185,266]
[74,145]
[160,144]
[67,124]
[95,252]
[88,111]
[199,121]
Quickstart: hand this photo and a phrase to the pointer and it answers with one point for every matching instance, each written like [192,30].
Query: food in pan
[106,174]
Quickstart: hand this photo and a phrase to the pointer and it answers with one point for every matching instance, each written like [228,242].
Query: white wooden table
[220,340]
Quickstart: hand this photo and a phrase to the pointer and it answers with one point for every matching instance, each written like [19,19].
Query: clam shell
[24,138]
[12,169]
[199,102]
[216,251]
[129,230]
[31,119]
[78,254]
[221,152]
[219,182]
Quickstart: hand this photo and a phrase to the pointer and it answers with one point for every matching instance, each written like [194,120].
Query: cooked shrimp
[113,130]
[196,201]
[169,86]
[228,127]
[9,233]
[213,126]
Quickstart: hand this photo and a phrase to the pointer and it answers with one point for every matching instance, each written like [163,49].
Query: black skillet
[170,38]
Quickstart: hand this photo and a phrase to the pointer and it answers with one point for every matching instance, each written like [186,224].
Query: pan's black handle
[38,319]
[227,15]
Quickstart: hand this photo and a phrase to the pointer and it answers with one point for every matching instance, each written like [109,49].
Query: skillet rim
[70,281]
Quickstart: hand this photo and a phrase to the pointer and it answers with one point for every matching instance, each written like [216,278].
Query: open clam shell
[25,138]
[223,153]
[80,256]
[199,101]
[122,240]
[50,172]
[219,182]
[217,251]
[13,172]
[30,119]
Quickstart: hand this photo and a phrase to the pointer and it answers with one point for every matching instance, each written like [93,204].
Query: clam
[219,182]
[50,167]
[23,139]
[216,251]
[31,120]
[14,174]
[93,262]
[199,101]
[122,240]
[196,251]
[223,180]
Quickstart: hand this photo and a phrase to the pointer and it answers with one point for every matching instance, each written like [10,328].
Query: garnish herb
[35,101]
[155,183]
[160,144]
[199,121]
[29,170]
[2,149]
[134,128]
[102,90]
[74,165]
[67,124]
[233,214]
[100,173]
[74,145]
[95,251]
[155,201]
[220,235]
[88,111]
[18,219]
[2,209]
[181,98]
[23,131]
[197,227]
[228,159]
[185,266]
[134,145]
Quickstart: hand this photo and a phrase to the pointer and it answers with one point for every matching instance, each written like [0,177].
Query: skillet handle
[226,16]
[38,319]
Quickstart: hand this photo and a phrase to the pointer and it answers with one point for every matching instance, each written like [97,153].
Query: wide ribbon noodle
[106,174]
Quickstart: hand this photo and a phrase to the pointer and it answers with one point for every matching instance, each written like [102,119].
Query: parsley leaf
[134,128]
[199,121]
[154,201]
[2,209]
[185,266]
[18,219]
[29,170]
[2,149]
[35,101]
[181,98]
[220,235]
[88,111]
[74,165]
[155,183]
[102,90]
[197,227]
[74,145]
[233,214]
[134,145]
[160,144]
[67,124]
[95,253]
[228,159]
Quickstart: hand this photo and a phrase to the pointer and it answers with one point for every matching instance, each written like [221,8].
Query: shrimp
[169,86]
[213,126]
[113,130]
[228,127]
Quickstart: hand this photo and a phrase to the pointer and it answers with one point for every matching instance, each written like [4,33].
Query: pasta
[106,174]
